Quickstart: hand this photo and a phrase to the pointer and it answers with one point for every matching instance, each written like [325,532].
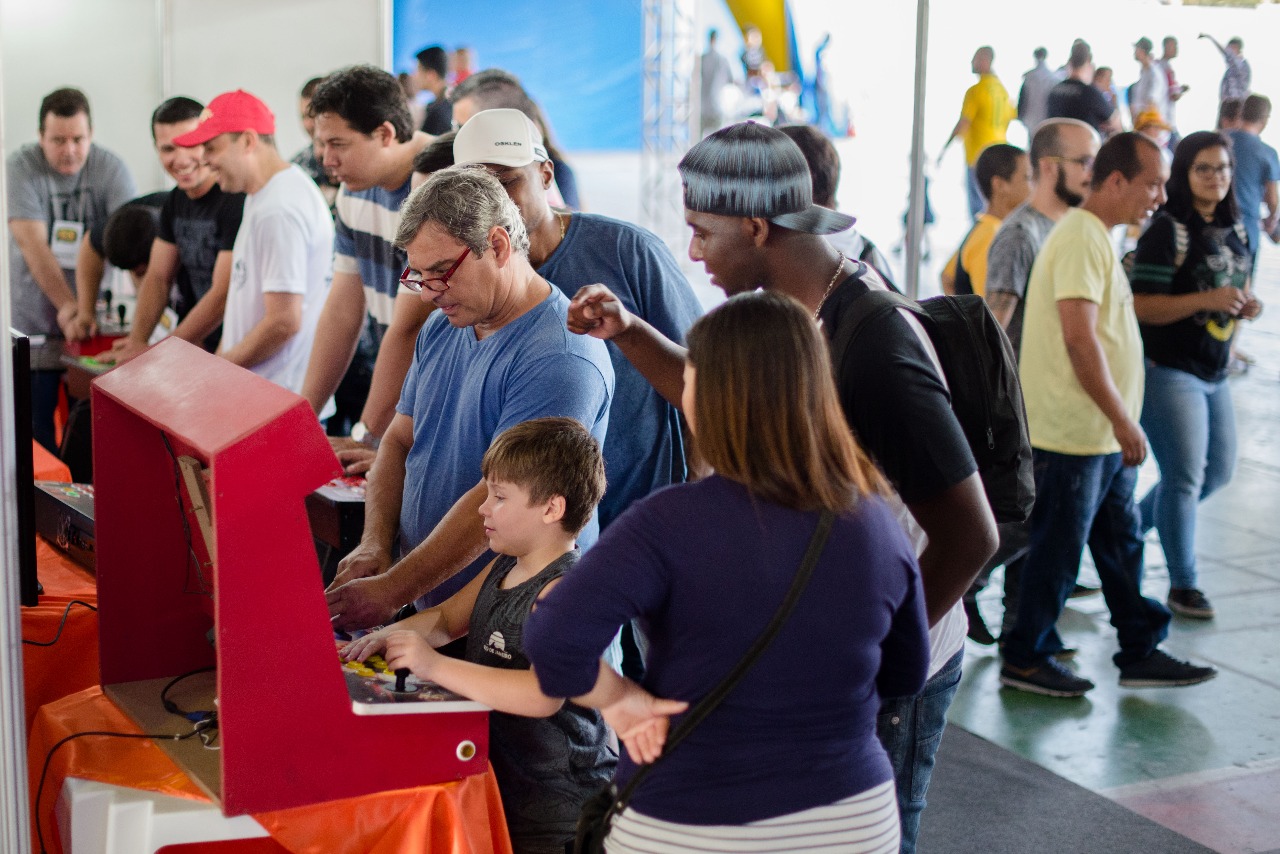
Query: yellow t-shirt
[973,252]
[1077,261]
[986,106]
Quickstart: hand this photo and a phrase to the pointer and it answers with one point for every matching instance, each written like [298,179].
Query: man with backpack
[748,199]
[1082,370]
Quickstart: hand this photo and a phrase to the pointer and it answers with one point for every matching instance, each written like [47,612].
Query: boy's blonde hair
[549,457]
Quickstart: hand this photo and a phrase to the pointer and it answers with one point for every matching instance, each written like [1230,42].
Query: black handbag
[598,813]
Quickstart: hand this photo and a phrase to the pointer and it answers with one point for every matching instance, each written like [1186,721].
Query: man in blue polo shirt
[497,353]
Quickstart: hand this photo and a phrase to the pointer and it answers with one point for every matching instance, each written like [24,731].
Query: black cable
[172,708]
[198,729]
[62,625]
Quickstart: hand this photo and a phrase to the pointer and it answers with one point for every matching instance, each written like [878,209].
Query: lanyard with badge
[66,233]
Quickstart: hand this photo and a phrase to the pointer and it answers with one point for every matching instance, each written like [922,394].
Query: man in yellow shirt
[1082,378]
[984,118]
[1004,176]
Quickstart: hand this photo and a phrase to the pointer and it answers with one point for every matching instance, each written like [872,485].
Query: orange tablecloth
[47,466]
[451,818]
[71,664]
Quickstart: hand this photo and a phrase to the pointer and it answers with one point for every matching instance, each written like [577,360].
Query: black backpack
[982,373]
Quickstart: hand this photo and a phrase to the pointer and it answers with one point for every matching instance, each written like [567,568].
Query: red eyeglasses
[415,281]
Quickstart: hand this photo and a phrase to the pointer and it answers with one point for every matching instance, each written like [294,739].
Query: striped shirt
[365,226]
[865,823]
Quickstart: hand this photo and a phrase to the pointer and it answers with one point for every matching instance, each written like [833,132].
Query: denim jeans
[910,728]
[977,204]
[1191,425]
[1084,500]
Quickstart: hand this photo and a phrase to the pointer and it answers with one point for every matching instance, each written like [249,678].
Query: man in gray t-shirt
[59,188]
[1062,152]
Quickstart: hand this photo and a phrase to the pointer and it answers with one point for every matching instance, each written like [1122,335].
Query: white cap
[501,137]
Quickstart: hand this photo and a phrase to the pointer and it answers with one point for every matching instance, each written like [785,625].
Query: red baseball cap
[230,112]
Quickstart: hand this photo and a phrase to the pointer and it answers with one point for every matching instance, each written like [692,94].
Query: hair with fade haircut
[1047,140]
[434,58]
[309,88]
[1255,109]
[766,412]
[1229,110]
[174,110]
[1081,54]
[1120,154]
[467,202]
[65,103]
[549,457]
[129,233]
[436,156]
[998,160]
[364,97]
[823,160]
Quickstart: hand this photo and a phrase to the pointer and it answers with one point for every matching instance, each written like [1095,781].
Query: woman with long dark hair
[1191,287]
[791,754]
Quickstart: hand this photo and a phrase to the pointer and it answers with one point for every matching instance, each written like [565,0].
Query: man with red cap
[282,261]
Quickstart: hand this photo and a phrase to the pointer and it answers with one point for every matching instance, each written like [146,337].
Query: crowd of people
[546,417]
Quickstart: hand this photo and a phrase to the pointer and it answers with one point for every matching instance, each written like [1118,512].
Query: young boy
[545,478]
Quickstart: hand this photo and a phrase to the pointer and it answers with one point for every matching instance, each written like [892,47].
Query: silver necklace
[831,284]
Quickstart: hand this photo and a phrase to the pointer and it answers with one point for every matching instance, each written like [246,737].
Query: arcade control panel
[64,517]
[375,689]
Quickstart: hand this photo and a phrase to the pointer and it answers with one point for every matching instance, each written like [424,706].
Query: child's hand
[405,648]
[642,721]
[362,648]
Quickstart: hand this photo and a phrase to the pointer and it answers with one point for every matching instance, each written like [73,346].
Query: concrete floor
[1203,760]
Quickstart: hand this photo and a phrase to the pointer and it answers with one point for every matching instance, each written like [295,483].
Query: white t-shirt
[285,245]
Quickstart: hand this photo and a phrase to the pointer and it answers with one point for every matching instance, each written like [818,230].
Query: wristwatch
[361,433]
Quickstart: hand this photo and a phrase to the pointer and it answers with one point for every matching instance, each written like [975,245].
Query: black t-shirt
[892,396]
[1075,99]
[154,201]
[200,229]
[439,117]
[1216,257]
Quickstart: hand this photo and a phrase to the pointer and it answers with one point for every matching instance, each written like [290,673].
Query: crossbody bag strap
[708,703]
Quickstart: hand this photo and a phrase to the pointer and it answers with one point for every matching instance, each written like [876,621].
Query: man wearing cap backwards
[748,200]
[364,126]
[495,354]
[282,261]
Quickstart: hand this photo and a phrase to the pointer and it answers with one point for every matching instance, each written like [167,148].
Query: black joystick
[402,673]
[106,298]
[120,313]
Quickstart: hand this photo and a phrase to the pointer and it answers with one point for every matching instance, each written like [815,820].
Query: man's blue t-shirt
[1256,166]
[645,449]
[462,392]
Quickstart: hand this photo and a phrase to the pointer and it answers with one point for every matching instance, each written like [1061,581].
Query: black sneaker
[1161,670]
[1079,591]
[978,631]
[1190,602]
[1049,678]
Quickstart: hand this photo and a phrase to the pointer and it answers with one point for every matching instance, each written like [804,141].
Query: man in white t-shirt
[282,261]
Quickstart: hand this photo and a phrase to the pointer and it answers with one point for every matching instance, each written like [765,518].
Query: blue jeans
[1191,425]
[44,402]
[977,204]
[1084,500]
[910,728]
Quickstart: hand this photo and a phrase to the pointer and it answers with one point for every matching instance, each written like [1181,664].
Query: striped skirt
[866,823]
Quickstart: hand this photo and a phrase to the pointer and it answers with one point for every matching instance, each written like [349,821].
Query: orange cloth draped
[71,664]
[47,466]
[463,817]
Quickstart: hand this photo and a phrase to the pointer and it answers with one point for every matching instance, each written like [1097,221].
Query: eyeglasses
[415,281]
[1085,162]
[1207,170]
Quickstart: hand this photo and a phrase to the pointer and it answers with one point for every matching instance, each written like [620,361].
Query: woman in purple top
[790,758]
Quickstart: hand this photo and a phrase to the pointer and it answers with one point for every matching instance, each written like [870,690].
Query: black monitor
[25,467]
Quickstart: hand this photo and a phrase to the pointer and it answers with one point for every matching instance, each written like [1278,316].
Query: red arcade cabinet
[205,559]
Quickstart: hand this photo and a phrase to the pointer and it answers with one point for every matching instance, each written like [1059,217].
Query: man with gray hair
[494,355]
